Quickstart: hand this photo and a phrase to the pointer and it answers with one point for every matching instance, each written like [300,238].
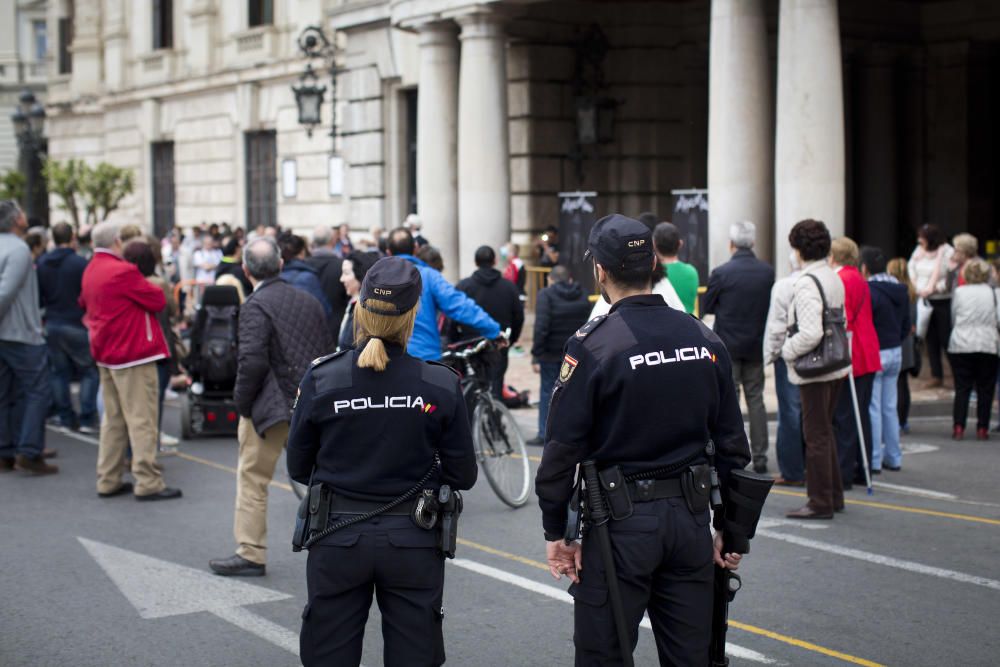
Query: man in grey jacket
[24,370]
[282,329]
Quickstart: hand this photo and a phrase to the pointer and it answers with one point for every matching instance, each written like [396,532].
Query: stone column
[483,151]
[437,140]
[202,31]
[809,148]
[740,138]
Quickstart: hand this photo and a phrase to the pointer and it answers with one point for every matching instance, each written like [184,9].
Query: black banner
[577,214]
[690,214]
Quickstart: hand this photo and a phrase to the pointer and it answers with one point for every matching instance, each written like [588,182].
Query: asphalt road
[904,577]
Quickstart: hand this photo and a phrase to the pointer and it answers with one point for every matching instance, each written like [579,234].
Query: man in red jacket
[844,258]
[126,341]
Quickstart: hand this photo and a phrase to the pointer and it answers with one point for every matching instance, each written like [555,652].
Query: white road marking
[918,448]
[807,525]
[559,594]
[157,589]
[915,491]
[879,559]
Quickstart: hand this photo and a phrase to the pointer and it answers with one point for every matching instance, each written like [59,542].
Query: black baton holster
[312,516]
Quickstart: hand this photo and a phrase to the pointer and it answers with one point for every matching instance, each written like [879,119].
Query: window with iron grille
[260,12]
[163,188]
[163,24]
[262,179]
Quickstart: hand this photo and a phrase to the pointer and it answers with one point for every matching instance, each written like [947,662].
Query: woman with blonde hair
[974,347]
[897,268]
[380,432]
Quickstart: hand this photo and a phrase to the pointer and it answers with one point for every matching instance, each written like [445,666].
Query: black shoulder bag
[833,352]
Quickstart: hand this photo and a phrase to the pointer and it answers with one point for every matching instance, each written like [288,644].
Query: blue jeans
[69,354]
[789,441]
[24,399]
[550,373]
[882,410]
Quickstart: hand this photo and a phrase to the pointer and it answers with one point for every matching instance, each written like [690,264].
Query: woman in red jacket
[844,258]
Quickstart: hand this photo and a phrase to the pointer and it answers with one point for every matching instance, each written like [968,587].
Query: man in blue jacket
[438,296]
[60,272]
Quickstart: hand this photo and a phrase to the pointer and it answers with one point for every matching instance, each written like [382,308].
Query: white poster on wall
[336,176]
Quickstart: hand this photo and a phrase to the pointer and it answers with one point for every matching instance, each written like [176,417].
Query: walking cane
[857,419]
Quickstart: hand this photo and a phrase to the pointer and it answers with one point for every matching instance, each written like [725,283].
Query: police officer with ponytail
[375,428]
[641,393]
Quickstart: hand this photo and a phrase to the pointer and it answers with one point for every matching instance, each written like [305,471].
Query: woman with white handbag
[928,269]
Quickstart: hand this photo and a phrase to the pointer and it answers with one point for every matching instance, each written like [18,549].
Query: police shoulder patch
[569,365]
[589,327]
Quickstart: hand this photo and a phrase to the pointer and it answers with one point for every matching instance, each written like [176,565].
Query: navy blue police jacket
[372,435]
[645,387]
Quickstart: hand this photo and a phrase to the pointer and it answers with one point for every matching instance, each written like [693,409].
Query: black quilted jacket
[281,330]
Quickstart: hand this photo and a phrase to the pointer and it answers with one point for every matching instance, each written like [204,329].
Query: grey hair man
[739,294]
[281,330]
[323,239]
[105,235]
[24,369]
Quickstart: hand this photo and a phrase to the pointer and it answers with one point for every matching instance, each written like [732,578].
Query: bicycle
[496,437]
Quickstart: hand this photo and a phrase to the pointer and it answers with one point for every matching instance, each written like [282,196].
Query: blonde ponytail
[373,330]
[374,355]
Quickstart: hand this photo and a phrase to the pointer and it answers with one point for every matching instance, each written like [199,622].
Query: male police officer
[644,388]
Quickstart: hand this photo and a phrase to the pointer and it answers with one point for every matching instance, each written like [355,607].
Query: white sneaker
[168,440]
[168,450]
[90,430]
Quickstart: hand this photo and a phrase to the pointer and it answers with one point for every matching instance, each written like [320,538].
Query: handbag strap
[822,294]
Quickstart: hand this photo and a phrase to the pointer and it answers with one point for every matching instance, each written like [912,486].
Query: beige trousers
[258,457]
[131,412]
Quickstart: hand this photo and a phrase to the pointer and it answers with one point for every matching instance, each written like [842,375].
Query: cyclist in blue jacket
[438,296]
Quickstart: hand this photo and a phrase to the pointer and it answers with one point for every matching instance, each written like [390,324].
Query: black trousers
[903,397]
[846,427]
[974,371]
[663,556]
[938,333]
[397,562]
[498,369]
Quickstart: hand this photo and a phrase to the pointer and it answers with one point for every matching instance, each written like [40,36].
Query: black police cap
[392,280]
[620,242]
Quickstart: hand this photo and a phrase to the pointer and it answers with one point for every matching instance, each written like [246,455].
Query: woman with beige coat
[810,239]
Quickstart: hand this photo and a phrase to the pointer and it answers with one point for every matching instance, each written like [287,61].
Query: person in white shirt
[206,260]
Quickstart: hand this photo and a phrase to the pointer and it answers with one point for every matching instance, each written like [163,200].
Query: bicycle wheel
[500,449]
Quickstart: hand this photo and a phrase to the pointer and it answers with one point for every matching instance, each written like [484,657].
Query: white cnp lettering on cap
[679,354]
[637,244]
[383,403]
[383,292]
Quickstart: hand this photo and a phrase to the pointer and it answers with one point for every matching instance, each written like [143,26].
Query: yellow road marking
[809,646]
[902,508]
[800,643]
[219,466]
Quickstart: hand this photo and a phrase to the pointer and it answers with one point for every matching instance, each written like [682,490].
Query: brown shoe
[6,465]
[49,453]
[35,466]
[781,481]
[806,512]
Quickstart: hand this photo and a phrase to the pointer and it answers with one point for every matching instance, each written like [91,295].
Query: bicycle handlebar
[473,350]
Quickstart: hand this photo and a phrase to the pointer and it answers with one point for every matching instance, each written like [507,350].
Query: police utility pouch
[696,484]
[616,492]
[312,516]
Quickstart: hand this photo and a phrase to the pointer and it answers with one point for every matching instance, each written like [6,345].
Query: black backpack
[218,344]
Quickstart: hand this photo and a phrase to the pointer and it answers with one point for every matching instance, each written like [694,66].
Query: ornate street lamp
[309,96]
[29,125]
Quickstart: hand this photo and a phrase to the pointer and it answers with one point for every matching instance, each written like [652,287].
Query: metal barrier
[535,281]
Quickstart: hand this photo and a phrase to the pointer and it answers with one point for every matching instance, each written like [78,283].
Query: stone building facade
[873,115]
[23,51]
